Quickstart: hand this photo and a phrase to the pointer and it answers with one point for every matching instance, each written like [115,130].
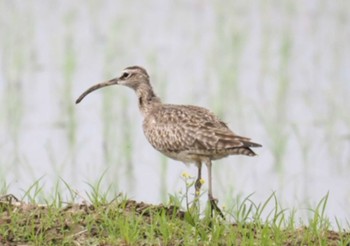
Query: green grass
[120,221]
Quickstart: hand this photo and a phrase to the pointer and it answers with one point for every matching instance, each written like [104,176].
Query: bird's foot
[214,206]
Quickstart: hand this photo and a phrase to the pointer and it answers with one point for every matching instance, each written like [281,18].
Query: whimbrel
[186,133]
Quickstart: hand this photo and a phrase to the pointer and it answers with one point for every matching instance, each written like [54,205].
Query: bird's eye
[125,75]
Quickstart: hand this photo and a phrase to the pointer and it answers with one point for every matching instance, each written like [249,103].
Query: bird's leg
[198,183]
[212,200]
[197,186]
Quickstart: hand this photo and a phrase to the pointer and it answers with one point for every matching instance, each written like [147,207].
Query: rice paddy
[276,71]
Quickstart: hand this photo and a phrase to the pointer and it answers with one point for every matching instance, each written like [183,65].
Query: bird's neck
[147,99]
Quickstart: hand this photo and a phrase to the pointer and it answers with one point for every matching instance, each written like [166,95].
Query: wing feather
[184,128]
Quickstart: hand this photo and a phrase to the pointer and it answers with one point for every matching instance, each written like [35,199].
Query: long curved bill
[95,87]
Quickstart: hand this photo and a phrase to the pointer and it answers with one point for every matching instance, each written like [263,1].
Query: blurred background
[275,71]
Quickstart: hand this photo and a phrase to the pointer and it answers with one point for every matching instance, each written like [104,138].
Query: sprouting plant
[192,204]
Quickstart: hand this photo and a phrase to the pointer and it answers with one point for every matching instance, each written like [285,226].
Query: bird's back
[190,133]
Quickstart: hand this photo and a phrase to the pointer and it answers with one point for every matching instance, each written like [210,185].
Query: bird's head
[131,77]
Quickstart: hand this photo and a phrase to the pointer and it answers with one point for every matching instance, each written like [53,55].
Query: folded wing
[190,128]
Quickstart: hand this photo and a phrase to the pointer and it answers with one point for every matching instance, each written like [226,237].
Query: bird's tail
[243,151]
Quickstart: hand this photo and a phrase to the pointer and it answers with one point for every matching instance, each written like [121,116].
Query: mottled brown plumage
[186,133]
